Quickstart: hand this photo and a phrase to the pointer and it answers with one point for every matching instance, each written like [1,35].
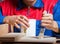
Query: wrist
[55,27]
[6,19]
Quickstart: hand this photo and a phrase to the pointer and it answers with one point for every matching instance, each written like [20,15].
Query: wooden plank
[3,29]
[7,39]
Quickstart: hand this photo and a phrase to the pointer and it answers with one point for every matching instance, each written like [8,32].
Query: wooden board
[3,29]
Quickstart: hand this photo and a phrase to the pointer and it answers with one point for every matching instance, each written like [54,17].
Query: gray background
[1,0]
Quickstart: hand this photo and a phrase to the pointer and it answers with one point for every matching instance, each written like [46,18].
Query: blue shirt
[39,4]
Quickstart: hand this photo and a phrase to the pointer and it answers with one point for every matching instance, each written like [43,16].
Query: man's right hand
[15,20]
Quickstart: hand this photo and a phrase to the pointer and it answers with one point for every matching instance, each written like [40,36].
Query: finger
[47,21]
[16,25]
[47,18]
[25,18]
[47,15]
[21,23]
[44,12]
[45,25]
[50,28]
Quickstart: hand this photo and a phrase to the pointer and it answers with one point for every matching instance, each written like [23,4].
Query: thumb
[44,12]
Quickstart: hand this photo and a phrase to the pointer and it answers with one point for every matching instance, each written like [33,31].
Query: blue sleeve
[56,14]
[1,17]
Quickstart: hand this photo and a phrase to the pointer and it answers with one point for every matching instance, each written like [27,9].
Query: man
[33,9]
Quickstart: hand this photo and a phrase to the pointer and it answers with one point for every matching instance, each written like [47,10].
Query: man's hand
[49,23]
[15,20]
